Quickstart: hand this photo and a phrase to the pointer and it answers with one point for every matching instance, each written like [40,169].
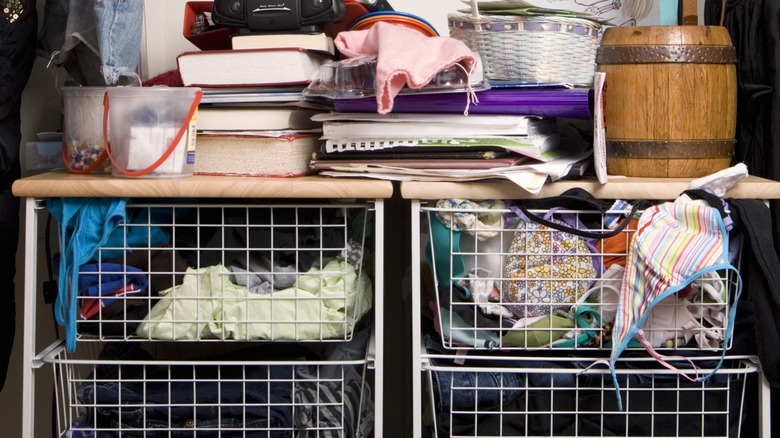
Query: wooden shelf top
[66,184]
[617,188]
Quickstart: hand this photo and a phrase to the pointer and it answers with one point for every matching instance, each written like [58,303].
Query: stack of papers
[443,147]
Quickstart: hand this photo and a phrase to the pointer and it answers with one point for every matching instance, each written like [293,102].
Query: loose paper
[599,134]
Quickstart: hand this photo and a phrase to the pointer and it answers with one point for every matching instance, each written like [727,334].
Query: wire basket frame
[237,398]
[545,397]
[546,50]
[217,272]
[481,287]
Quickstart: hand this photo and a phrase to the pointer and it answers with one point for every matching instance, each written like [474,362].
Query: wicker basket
[531,49]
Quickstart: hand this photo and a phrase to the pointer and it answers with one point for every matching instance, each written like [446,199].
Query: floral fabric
[546,269]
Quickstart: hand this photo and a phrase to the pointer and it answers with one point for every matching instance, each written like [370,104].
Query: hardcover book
[254,155]
[317,41]
[253,67]
[236,118]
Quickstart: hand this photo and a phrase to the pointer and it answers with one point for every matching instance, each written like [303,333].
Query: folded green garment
[325,305]
[543,332]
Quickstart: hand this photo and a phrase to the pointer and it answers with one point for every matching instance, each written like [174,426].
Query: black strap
[577,199]
[712,199]
[582,233]
[573,199]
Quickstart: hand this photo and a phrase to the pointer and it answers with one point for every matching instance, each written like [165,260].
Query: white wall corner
[162,39]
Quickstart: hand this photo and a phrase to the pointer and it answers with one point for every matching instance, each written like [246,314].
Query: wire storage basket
[229,272]
[118,389]
[545,397]
[501,282]
[546,50]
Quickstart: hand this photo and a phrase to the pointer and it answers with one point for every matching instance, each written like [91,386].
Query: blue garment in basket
[85,225]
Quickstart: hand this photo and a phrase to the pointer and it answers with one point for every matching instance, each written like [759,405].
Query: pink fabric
[404,57]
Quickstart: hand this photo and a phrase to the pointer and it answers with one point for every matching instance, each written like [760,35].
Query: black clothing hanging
[17,53]
[755,33]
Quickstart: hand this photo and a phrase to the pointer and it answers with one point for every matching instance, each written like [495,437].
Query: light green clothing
[542,332]
[325,305]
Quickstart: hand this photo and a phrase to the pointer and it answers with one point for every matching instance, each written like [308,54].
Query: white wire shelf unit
[328,234]
[503,283]
[224,272]
[485,294]
[560,396]
[114,391]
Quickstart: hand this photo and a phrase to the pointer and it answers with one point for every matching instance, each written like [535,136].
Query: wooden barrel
[670,100]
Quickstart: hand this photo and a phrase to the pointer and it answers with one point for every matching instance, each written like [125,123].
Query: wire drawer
[191,271]
[230,395]
[498,282]
[545,397]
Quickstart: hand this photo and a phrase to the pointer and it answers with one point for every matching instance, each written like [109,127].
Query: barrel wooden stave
[669,101]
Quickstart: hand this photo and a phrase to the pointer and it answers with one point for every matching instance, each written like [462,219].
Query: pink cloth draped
[404,57]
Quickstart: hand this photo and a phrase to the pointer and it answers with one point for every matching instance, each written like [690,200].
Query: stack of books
[258,60]
[253,119]
[458,127]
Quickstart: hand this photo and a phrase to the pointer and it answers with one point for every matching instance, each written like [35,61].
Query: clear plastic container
[356,77]
[152,131]
[83,149]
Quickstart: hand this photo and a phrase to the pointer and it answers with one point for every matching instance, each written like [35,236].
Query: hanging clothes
[17,52]
[96,42]
[752,25]
[760,328]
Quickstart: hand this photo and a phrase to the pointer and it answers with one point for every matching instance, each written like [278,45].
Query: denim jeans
[101,42]
[202,397]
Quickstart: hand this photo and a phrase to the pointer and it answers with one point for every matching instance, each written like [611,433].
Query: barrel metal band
[666,54]
[671,149]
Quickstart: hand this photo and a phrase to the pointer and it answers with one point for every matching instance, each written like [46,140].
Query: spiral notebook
[537,146]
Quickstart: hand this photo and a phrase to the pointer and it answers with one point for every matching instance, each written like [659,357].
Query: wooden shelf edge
[618,188]
[63,184]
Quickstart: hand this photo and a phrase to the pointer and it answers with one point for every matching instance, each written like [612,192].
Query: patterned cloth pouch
[547,269]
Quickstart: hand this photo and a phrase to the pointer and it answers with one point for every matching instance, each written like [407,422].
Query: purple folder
[548,102]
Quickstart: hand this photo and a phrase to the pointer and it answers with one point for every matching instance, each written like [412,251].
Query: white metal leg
[416,328]
[30,280]
[764,406]
[379,309]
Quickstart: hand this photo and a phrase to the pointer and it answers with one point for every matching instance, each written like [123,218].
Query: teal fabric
[465,333]
[85,224]
[668,11]
[135,236]
[442,245]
